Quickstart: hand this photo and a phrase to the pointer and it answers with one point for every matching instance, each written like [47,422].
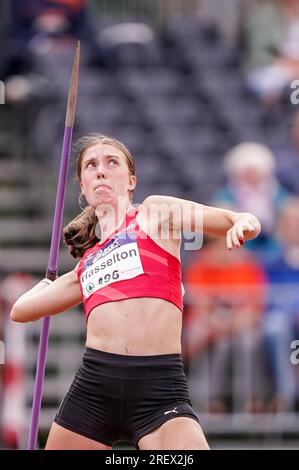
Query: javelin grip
[51,272]
[51,275]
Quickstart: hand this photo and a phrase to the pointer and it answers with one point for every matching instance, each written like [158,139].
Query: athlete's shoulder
[161,199]
[156,199]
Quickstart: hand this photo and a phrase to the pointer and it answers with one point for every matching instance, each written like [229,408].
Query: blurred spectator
[130,44]
[34,20]
[272,33]
[226,296]
[282,319]
[288,158]
[252,186]
[3,28]
[228,16]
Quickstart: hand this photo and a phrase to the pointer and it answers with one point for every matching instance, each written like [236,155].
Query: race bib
[116,261]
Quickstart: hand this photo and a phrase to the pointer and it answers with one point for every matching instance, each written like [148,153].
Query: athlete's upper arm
[181,214]
[191,216]
[60,295]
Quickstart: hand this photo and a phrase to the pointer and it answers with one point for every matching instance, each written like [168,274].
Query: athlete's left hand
[245,228]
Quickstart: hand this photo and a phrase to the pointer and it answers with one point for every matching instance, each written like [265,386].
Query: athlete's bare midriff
[141,326]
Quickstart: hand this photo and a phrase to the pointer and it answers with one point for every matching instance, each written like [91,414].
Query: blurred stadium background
[181,83]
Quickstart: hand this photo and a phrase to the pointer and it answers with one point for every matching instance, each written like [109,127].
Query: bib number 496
[107,277]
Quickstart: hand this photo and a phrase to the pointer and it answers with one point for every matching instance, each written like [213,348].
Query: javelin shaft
[54,247]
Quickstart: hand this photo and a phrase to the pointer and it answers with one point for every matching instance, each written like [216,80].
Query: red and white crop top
[128,264]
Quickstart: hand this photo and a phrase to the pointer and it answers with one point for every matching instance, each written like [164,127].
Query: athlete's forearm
[44,300]
[20,308]
[38,287]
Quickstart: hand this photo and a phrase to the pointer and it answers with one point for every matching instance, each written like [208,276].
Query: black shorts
[115,397]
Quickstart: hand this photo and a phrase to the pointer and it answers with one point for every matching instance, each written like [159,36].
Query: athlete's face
[105,175]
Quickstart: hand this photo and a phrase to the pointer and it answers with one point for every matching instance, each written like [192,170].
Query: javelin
[51,272]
